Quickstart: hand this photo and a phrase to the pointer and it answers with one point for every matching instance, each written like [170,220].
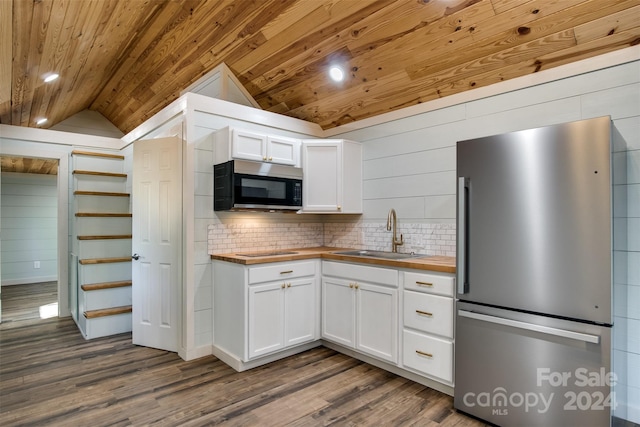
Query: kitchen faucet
[392,219]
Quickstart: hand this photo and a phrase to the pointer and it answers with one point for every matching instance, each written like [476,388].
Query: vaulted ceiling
[127,59]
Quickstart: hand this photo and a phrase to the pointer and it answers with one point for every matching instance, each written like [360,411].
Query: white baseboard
[29,280]
[240,366]
[195,353]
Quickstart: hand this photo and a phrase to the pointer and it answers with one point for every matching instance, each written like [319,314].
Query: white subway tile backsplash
[428,239]
[260,236]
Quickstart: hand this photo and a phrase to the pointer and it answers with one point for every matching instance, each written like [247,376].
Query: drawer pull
[288,285]
[425,354]
[351,285]
[286,272]
[426,284]
[424,313]
[283,285]
[357,286]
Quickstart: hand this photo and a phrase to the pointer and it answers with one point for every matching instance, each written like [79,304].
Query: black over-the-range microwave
[246,185]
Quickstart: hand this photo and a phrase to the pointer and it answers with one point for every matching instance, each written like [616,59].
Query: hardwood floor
[32,301]
[50,375]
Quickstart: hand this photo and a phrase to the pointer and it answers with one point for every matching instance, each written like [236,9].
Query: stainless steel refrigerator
[534,309]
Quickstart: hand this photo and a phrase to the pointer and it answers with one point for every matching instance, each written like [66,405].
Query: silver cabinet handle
[579,336]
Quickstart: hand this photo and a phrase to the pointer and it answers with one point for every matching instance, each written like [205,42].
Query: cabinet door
[377,321]
[285,151]
[338,312]
[266,318]
[300,311]
[322,182]
[248,145]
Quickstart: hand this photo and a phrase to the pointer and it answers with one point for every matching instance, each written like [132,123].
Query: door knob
[135,256]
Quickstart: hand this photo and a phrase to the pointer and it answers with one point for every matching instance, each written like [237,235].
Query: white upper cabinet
[283,150]
[332,176]
[232,143]
[248,145]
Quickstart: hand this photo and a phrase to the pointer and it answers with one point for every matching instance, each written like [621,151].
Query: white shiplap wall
[201,140]
[29,228]
[410,165]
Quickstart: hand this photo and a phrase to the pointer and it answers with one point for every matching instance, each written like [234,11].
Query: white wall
[87,122]
[200,137]
[29,228]
[409,164]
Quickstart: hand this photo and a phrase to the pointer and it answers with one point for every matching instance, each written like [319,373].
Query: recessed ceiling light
[41,121]
[336,74]
[51,77]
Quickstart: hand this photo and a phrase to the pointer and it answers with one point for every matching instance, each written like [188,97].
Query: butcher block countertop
[442,264]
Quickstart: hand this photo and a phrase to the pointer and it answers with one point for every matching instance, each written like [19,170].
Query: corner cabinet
[232,143]
[332,176]
[360,308]
[264,310]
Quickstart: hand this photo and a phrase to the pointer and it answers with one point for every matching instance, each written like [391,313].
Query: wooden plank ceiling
[128,59]
[28,165]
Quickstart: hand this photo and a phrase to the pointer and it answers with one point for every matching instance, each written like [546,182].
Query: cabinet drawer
[284,271]
[429,355]
[362,273]
[428,313]
[430,283]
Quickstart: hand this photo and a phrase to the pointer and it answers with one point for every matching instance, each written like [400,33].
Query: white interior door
[157,242]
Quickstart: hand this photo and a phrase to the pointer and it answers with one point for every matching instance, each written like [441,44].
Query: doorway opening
[29,223]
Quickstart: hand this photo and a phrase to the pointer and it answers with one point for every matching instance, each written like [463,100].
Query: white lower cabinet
[402,318]
[427,324]
[359,314]
[262,310]
[281,314]
[430,355]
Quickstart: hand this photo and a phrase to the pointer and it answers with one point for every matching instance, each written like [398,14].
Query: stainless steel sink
[380,254]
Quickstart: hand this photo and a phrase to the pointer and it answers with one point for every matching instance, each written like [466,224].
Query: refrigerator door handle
[463,234]
[594,339]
